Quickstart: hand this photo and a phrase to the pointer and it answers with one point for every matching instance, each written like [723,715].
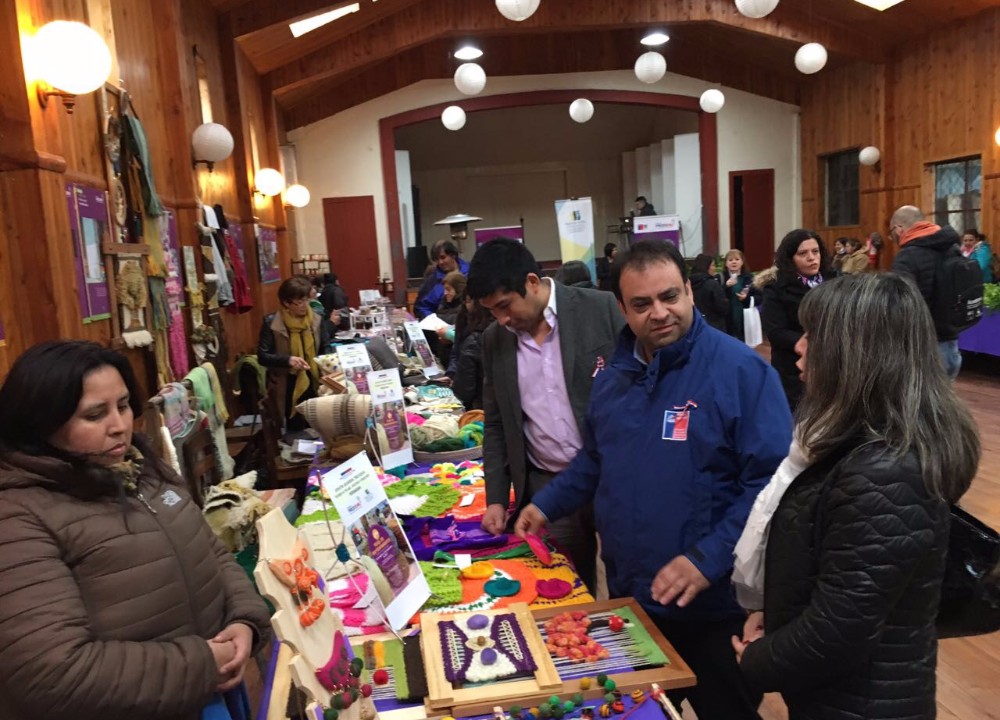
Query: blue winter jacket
[431,291]
[655,499]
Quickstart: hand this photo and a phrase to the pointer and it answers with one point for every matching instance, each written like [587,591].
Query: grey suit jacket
[589,323]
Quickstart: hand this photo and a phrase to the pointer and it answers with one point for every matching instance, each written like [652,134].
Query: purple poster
[174,284]
[484,235]
[3,335]
[267,249]
[88,218]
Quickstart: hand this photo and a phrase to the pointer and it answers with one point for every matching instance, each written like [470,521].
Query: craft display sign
[90,226]
[356,364]
[385,552]
[389,414]
[421,348]
[370,297]
[575,219]
[267,249]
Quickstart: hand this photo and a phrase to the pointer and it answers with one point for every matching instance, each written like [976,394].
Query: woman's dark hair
[573,273]
[609,249]
[294,288]
[501,265]
[841,241]
[41,394]
[470,322]
[783,256]
[701,263]
[853,244]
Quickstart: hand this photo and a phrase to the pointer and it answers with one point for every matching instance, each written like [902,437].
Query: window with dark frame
[843,190]
[958,193]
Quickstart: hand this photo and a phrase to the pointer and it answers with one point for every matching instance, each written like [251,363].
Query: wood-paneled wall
[43,149]
[938,98]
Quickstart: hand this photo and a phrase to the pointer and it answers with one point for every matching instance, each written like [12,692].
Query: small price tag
[467,500]
[463,560]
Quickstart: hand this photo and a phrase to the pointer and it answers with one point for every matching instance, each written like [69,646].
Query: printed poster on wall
[90,226]
[511,232]
[389,414]
[575,219]
[3,335]
[384,548]
[267,249]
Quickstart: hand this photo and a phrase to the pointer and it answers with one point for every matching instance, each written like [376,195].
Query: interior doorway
[751,216]
[351,243]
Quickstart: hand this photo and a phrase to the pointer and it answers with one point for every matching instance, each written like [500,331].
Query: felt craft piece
[464,650]
[502,587]
[303,582]
[478,571]
[446,588]
[553,589]
[335,675]
[566,636]
[428,535]
[538,547]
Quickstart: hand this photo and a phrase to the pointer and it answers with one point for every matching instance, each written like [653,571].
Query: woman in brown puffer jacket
[116,600]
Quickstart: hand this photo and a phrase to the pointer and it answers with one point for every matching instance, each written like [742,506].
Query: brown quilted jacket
[104,610]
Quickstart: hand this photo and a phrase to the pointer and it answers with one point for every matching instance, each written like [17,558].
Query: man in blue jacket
[444,254]
[685,426]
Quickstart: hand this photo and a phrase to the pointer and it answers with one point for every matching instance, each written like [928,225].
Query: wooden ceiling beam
[274,46]
[255,15]
[431,20]
[527,55]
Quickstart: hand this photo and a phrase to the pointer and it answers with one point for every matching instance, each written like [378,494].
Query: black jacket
[333,298]
[467,383]
[779,319]
[710,299]
[448,311]
[920,259]
[854,565]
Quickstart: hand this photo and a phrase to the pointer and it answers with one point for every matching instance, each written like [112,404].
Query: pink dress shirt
[551,435]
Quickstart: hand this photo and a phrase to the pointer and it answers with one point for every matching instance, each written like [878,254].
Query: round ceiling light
[517,10]
[297,195]
[712,100]
[269,181]
[453,117]
[71,57]
[468,52]
[810,58]
[470,78]
[581,110]
[756,8]
[655,38]
[650,67]
[212,143]
[869,155]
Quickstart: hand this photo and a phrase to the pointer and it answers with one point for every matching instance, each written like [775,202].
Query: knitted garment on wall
[480,648]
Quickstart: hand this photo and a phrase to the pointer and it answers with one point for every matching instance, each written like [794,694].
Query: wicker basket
[452,456]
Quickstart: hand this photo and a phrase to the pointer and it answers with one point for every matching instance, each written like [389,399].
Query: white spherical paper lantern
[212,143]
[453,117]
[756,8]
[712,100]
[470,78]
[810,58]
[297,195]
[517,10]
[71,57]
[869,155]
[650,67]
[269,181]
[581,110]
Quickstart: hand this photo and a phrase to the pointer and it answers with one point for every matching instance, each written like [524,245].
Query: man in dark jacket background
[686,425]
[922,247]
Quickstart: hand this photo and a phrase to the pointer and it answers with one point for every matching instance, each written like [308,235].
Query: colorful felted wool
[502,587]
[553,589]
[303,582]
[338,674]
[478,571]
[539,547]
[487,652]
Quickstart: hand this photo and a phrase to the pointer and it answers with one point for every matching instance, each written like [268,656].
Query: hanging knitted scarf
[302,344]
[129,470]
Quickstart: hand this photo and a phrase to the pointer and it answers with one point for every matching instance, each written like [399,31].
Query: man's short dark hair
[443,246]
[609,249]
[641,198]
[640,256]
[500,265]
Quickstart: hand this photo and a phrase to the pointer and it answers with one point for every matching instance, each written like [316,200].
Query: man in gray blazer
[539,362]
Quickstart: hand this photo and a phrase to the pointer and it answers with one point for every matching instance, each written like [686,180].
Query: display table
[984,336]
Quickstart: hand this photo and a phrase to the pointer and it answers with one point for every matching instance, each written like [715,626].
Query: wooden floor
[968,668]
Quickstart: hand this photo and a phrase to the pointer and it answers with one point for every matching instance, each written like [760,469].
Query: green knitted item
[440,498]
[445,585]
[315,517]
[444,445]
[515,552]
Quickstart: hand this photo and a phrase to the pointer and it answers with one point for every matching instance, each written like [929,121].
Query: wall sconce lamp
[870,156]
[269,182]
[210,143]
[297,195]
[71,59]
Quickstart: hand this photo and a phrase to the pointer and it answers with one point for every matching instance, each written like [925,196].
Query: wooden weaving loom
[635,661]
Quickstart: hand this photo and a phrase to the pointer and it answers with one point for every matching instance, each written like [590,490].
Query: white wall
[629,188]
[667,204]
[656,176]
[404,187]
[687,164]
[340,155]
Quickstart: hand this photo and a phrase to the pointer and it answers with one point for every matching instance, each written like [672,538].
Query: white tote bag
[752,333]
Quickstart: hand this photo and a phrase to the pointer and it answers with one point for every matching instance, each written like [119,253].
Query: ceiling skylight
[879,4]
[301,27]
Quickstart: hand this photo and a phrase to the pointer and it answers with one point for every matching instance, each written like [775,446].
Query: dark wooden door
[351,243]
[751,194]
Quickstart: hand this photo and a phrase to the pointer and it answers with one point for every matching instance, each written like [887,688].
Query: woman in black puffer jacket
[856,552]
[801,263]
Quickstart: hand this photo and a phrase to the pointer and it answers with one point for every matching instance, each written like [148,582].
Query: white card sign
[389,411]
[356,364]
[385,551]
[421,348]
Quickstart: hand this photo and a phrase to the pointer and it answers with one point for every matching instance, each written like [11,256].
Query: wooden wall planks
[936,99]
